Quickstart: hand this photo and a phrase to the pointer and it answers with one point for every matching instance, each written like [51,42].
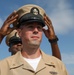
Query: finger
[10,30]
[7,25]
[12,19]
[47,19]
[48,25]
[13,13]
[50,28]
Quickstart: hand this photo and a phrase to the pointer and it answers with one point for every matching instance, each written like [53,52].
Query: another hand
[6,29]
[49,33]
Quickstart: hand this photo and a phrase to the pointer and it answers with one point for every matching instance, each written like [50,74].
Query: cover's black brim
[29,17]
[33,20]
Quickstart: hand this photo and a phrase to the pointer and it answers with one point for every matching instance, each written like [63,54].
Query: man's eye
[39,27]
[30,26]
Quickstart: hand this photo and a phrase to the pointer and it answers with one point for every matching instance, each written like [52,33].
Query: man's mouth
[35,37]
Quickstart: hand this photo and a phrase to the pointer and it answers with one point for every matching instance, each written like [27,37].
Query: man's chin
[34,45]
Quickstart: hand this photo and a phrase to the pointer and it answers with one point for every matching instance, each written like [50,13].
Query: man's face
[15,48]
[31,34]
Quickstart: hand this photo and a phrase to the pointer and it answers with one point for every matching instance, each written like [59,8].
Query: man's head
[30,23]
[14,42]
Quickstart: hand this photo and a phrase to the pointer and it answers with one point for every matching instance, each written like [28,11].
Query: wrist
[1,35]
[54,40]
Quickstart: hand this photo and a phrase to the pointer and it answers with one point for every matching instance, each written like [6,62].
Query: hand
[49,33]
[6,29]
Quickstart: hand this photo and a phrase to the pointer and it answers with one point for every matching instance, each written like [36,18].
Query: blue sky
[61,12]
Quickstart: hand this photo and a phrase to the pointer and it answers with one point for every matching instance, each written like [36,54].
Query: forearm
[1,37]
[55,50]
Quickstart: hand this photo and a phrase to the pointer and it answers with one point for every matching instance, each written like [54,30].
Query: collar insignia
[53,73]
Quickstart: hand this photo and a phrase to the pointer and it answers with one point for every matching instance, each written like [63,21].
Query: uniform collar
[18,61]
[48,60]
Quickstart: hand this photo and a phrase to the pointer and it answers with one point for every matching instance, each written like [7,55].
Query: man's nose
[35,30]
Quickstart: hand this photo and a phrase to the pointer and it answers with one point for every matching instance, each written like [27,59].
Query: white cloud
[68,58]
[61,15]
[63,21]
